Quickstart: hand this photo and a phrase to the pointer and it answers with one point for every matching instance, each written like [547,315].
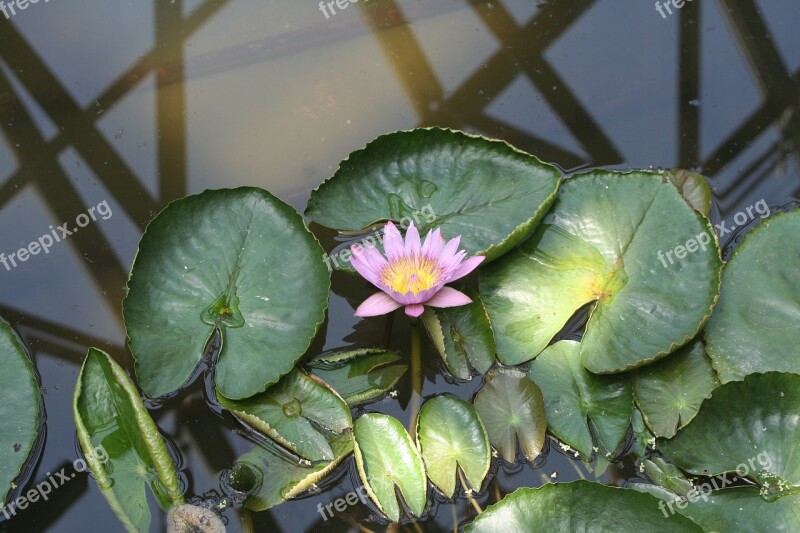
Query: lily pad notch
[237,261]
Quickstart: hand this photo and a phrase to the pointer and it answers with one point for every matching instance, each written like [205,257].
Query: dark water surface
[137,103]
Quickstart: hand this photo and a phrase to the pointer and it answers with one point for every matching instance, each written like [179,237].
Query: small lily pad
[669,392]
[299,412]
[627,245]
[19,408]
[575,398]
[577,506]
[386,458]
[750,427]
[361,375]
[440,178]
[512,408]
[122,445]
[462,336]
[269,477]
[754,328]
[694,188]
[450,436]
[237,261]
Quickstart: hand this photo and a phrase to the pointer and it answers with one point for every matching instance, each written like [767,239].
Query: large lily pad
[486,191]
[269,477]
[386,458]
[299,412]
[450,436]
[578,506]
[511,408]
[360,375]
[608,241]
[121,442]
[669,392]
[237,260]
[754,328]
[575,398]
[19,408]
[462,336]
[752,426]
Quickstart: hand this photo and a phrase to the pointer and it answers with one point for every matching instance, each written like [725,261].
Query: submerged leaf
[360,375]
[121,442]
[236,260]
[511,407]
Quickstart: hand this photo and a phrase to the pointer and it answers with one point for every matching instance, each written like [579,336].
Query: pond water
[121,107]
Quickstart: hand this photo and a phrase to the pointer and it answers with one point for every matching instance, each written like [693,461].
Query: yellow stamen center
[411,274]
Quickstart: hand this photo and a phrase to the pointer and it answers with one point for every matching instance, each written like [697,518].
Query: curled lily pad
[575,398]
[669,392]
[694,188]
[462,336]
[268,477]
[511,407]
[121,442]
[299,412]
[577,506]
[361,375]
[440,178]
[386,458]
[239,261]
[450,436]
[754,328]
[750,427]
[627,244]
[19,408]
[667,475]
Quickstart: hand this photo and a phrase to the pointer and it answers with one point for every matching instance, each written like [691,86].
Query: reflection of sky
[276,96]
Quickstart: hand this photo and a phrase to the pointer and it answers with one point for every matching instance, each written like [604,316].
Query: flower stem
[416,376]
[468,491]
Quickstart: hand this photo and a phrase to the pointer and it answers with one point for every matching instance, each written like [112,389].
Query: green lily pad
[694,188]
[237,260]
[750,427]
[732,509]
[577,506]
[667,475]
[450,436]
[386,458]
[122,445]
[361,375]
[486,191]
[669,392]
[462,336]
[575,398]
[511,407]
[608,242]
[299,412]
[643,439]
[754,328]
[269,477]
[19,407]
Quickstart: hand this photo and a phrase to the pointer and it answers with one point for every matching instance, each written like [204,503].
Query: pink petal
[450,249]
[368,262]
[415,310]
[466,267]
[433,244]
[392,242]
[379,303]
[447,297]
[412,240]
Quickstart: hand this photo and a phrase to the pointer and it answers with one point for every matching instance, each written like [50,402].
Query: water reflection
[142,105]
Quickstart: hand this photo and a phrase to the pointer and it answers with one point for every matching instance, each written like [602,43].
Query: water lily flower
[412,274]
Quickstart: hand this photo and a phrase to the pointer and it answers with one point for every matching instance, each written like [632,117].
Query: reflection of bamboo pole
[468,490]
[416,377]
[455,517]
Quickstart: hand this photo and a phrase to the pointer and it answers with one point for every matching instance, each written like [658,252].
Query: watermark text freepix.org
[665,5]
[9,9]
[56,235]
[703,240]
[42,490]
